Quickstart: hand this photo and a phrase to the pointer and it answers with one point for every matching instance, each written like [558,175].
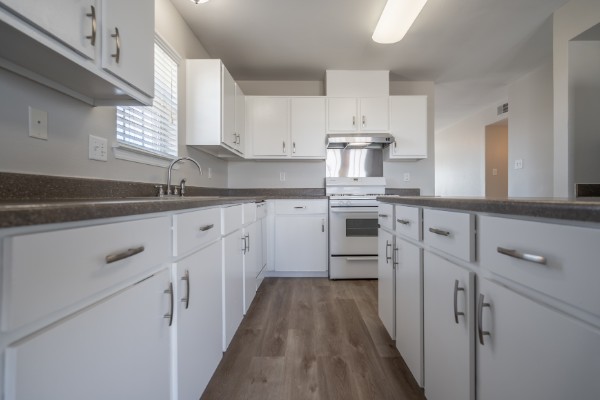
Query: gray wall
[65,153]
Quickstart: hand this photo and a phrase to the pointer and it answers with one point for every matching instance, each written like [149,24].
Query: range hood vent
[359,140]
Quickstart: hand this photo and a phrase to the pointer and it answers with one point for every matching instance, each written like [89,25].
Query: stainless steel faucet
[169,190]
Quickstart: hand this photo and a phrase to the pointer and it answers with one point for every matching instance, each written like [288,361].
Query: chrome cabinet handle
[353,121]
[522,256]
[283,146]
[186,299]
[480,331]
[247,249]
[394,258]
[403,221]
[300,207]
[234,138]
[439,232]
[456,290]
[244,246]
[364,121]
[383,215]
[239,139]
[206,227]
[111,258]
[170,315]
[293,147]
[387,257]
[117,55]
[322,225]
[92,15]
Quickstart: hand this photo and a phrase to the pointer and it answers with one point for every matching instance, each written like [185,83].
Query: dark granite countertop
[580,209]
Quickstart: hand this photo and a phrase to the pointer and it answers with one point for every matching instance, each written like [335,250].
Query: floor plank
[313,339]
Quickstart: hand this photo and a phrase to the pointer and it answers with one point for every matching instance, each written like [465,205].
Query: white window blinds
[154,128]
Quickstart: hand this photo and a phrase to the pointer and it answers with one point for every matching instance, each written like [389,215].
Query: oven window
[361,227]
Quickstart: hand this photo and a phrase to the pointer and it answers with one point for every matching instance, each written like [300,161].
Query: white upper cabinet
[100,52]
[212,96]
[268,123]
[128,38]
[408,125]
[368,114]
[240,119]
[308,127]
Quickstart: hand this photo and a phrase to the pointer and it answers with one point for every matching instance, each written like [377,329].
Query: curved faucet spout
[169,191]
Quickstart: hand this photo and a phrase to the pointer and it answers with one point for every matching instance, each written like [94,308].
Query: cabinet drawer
[386,216]
[570,272]
[232,218]
[193,229]
[408,222]
[451,232]
[301,207]
[46,272]
[249,213]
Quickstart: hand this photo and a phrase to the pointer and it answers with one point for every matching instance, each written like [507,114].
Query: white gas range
[353,226]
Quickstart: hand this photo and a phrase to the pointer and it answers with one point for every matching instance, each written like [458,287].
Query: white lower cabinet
[449,332]
[199,345]
[233,284]
[529,351]
[386,282]
[409,306]
[101,352]
[252,254]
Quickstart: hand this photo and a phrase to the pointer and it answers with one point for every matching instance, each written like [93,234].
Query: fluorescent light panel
[396,19]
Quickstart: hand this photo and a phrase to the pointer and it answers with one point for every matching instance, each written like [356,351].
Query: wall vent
[503,109]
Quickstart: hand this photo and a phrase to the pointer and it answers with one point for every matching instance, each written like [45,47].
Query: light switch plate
[38,123]
[519,164]
[98,149]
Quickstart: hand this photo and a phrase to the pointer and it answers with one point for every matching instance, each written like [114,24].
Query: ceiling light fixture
[199,1]
[396,19]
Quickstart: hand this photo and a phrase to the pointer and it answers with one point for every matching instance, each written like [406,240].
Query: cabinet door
[301,243]
[199,321]
[66,20]
[342,114]
[251,262]
[228,133]
[240,119]
[269,123]
[308,127]
[116,349]
[449,336]
[386,292]
[533,352]
[233,285]
[374,114]
[409,306]
[134,44]
[408,125]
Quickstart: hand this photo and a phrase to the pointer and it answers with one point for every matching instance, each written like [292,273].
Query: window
[153,129]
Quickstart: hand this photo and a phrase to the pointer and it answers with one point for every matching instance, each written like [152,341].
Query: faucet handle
[175,190]
[161,190]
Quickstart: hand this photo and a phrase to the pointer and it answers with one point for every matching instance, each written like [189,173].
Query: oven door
[353,231]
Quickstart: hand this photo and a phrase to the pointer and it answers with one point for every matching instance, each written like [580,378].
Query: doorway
[496,159]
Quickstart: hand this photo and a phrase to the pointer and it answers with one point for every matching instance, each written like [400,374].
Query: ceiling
[471,49]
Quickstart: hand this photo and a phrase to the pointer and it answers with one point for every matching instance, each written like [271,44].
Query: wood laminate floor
[312,338]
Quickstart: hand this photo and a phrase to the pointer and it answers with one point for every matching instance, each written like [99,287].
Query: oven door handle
[346,210]
[362,258]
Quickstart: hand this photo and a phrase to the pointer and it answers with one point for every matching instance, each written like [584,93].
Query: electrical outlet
[282,176]
[38,123]
[406,177]
[519,164]
[494,171]
[98,149]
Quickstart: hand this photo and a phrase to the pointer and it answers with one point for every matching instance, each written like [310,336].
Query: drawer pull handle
[456,290]
[387,257]
[247,248]
[170,315]
[186,299]
[394,258]
[403,221]
[480,331]
[206,227]
[111,258]
[439,232]
[522,256]
[300,207]
[383,215]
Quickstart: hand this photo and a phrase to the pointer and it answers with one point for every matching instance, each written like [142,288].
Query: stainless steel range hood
[358,140]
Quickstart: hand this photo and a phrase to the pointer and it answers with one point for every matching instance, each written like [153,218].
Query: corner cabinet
[349,114]
[100,52]
[215,109]
[286,127]
[408,125]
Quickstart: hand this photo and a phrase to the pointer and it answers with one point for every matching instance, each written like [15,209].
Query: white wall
[65,153]
[530,134]
[569,21]
[460,154]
